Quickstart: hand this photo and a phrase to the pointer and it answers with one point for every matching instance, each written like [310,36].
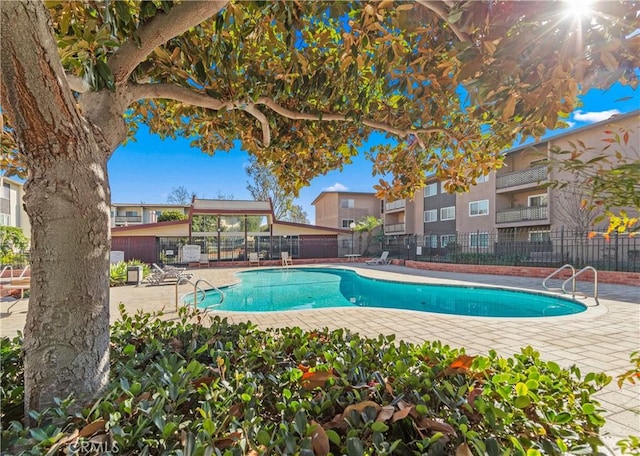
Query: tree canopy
[302,84]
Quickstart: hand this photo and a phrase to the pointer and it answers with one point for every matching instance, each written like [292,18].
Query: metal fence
[521,247]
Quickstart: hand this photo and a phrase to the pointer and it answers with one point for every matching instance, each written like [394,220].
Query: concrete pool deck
[597,340]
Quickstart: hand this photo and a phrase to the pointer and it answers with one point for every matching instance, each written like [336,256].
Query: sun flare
[578,8]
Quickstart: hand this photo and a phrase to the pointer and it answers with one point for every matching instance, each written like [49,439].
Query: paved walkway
[600,339]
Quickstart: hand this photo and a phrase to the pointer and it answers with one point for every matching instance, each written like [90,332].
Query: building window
[431,190]
[347,203]
[431,216]
[131,213]
[431,241]
[346,223]
[446,239]
[479,240]
[540,236]
[478,208]
[448,213]
[482,179]
[537,200]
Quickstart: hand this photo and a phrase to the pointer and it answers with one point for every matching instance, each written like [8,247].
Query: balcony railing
[395,205]
[527,176]
[522,214]
[394,228]
[128,218]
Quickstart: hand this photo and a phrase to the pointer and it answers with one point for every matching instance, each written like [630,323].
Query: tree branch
[439,9]
[293,115]
[159,30]
[76,83]
[189,96]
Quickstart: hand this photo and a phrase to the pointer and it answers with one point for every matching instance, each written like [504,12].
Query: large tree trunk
[67,329]
[67,199]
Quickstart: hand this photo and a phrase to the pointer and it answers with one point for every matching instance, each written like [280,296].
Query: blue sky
[148,169]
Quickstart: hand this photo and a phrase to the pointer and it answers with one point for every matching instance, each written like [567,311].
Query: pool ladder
[198,291]
[572,280]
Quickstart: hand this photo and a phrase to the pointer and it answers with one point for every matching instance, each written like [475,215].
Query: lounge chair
[286,260]
[168,273]
[382,260]
[253,259]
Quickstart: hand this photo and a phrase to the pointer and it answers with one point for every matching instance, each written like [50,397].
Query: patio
[600,339]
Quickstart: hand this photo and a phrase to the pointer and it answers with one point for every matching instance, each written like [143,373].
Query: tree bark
[67,198]
[67,329]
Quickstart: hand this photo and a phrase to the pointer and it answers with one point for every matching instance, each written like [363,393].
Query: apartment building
[439,215]
[340,209]
[514,203]
[12,211]
[126,214]
[404,217]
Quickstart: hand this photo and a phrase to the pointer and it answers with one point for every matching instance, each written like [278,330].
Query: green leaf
[379,426]
[522,389]
[588,408]
[522,402]
[333,436]
[263,438]
[354,447]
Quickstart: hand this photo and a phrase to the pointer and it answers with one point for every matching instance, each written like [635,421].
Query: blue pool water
[268,290]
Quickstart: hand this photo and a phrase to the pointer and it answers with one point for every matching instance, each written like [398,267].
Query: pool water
[268,290]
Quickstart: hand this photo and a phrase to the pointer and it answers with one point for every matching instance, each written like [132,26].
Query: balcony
[400,204]
[394,228]
[528,176]
[128,219]
[522,214]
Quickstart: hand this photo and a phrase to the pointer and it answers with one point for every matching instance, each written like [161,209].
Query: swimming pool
[268,290]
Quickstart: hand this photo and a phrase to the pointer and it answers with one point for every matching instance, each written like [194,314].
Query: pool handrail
[212,287]
[576,274]
[555,273]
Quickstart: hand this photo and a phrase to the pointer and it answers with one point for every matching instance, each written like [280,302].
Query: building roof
[231,206]
[612,119]
[182,206]
[324,193]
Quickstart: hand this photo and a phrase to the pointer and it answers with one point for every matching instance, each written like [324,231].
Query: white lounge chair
[169,273]
[382,260]
[253,259]
[286,260]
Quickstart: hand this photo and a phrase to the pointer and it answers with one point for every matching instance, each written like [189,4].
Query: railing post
[562,258]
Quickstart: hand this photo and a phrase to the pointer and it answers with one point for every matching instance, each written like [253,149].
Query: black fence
[521,247]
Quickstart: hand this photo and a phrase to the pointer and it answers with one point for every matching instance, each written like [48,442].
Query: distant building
[12,212]
[126,214]
[226,230]
[340,209]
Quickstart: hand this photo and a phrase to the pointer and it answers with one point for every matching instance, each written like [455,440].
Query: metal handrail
[556,272]
[576,274]
[4,269]
[196,287]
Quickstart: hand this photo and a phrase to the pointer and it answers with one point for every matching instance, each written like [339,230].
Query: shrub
[118,271]
[179,387]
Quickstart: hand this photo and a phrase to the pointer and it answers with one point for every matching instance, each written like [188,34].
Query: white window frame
[431,190]
[350,203]
[431,241]
[443,218]
[447,238]
[348,225]
[477,203]
[442,190]
[435,215]
[477,237]
[482,179]
[540,232]
[538,196]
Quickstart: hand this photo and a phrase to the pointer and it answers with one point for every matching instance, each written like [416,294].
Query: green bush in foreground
[181,388]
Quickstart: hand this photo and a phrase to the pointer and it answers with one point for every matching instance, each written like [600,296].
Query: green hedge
[181,388]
